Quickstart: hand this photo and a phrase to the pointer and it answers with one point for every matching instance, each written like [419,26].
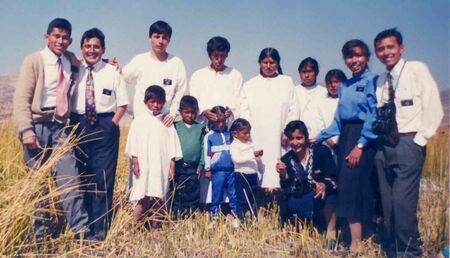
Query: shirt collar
[49,56]
[96,66]
[395,72]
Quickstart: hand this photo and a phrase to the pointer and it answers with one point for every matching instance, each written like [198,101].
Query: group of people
[307,148]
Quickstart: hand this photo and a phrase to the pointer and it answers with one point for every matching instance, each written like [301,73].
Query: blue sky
[298,29]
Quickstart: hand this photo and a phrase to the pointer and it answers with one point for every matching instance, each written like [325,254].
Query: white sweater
[243,157]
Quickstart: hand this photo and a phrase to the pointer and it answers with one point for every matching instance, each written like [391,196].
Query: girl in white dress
[153,149]
[269,103]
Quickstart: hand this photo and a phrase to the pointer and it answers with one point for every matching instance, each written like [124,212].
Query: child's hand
[135,165]
[199,172]
[208,174]
[281,168]
[168,120]
[258,153]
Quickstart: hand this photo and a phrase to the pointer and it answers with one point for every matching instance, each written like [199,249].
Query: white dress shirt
[51,72]
[309,99]
[213,88]
[327,110]
[417,100]
[243,156]
[145,70]
[109,87]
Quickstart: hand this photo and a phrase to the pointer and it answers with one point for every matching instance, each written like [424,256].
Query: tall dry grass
[192,236]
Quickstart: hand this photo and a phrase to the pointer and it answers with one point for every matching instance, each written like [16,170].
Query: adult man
[98,103]
[215,85]
[412,88]
[41,108]
[157,67]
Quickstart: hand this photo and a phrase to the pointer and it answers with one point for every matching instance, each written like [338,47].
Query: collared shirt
[417,100]
[212,88]
[357,103]
[309,99]
[109,87]
[144,70]
[51,72]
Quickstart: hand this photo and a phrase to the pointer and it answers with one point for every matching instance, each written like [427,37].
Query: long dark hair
[272,53]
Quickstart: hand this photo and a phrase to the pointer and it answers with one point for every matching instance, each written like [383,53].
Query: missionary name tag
[167,82]
[107,92]
[407,102]
[360,88]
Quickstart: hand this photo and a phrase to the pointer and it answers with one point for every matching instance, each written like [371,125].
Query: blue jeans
[222,180]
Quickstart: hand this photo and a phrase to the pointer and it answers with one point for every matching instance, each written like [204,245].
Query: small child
[245,165]
[153,148]
[186,185]
[218,164]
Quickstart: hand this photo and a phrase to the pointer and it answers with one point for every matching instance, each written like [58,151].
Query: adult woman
[355,151]
[269,104]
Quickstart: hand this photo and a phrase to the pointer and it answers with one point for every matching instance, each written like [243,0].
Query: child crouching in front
[244,158]
[153,149]
[219,166]
[186,185]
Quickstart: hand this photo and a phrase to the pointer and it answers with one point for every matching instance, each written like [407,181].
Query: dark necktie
[390,87]
[91,114]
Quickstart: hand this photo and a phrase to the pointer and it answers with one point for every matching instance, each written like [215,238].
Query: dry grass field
[190,237]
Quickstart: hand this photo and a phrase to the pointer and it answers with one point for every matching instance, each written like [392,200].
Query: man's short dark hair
[392,32]
[349,46]
[155,92]
[160,27]
[189,101]
[93,33]
[219,44]
[60,23]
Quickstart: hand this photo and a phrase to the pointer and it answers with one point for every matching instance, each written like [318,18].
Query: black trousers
[246,189]
[185,190]
[97,161]
[399,170]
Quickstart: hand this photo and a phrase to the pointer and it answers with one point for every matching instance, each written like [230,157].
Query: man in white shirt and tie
[418,115]
[98,103]
[41,108]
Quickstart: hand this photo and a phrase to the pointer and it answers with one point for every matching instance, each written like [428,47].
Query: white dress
[309,101]
[154,145]
[269,104]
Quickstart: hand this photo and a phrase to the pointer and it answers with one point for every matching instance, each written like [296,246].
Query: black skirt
[354,194]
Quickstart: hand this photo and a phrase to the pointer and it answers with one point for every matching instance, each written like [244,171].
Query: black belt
[407,134]
[98,114]
[44,109]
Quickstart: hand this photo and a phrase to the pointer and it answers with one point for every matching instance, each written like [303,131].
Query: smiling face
[389,51]
[308,76]
[92,50]
[297,141]
[268,67]
[160,42]
[357,61]
[58,40]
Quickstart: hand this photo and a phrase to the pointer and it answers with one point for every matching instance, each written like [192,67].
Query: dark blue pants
[223,180]
[185,190]
[246,188]
[97,162]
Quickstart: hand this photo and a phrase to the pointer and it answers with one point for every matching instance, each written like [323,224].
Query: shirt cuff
[363,141]
[420,140]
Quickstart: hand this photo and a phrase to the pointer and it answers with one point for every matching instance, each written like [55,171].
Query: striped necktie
[91,114]
[390,87]
[62,105]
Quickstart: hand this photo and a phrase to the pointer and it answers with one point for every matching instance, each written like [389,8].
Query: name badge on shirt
[167,82]
[360,88]
[107,92]
[407,102]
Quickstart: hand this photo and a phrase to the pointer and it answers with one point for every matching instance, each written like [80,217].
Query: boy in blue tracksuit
[218,164]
